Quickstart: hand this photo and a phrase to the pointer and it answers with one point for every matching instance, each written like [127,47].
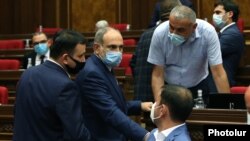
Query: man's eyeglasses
[43,41]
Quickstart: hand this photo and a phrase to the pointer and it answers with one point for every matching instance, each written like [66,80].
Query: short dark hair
[165,8]
[179,101]
[57,34]
[66,42]
[229,5]
[38,33]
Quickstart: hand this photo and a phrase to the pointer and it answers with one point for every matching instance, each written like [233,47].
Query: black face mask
[78,67]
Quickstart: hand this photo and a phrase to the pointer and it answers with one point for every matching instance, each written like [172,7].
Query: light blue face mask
[112,58]
[218,21]
[176,39]
[41,48]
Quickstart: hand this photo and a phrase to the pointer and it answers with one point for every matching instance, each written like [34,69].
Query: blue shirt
[187,64]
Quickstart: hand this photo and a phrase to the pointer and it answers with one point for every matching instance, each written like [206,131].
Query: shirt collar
[225,27]
[53,61]
[160,136]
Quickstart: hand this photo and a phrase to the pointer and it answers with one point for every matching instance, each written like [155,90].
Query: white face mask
[176,39]
[152,113]
[218,21]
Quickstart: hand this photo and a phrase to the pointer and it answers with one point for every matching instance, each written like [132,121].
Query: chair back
[126,57]
[3,95]
[12,44]
[240,24]
[238,89]
[129,42]
[9,64]
[49,30]
[120,27]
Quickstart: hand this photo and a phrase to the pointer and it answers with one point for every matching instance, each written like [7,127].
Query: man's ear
[96,48]
[194,26]
[230,14]
[165,110]
[64,58]
[49,42]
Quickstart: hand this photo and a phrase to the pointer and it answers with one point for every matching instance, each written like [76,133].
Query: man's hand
[146,106]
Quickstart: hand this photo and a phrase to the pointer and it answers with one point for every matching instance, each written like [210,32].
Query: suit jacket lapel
[113,81]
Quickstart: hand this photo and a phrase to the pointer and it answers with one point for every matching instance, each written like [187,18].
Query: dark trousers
[203,85]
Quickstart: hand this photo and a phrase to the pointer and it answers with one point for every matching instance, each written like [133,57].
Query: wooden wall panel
[137,13]
[24,16]
[85,13]
[244,11]
[27,15]
[6,24]
[55,13]
[64,14]
[142,11]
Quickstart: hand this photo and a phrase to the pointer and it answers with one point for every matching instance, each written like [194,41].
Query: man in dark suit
[142,70]
[47,105]
[104,105]
[40,44]
[156,15]
[231,39]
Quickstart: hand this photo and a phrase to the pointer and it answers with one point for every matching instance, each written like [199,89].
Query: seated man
[170,113]
[41,44]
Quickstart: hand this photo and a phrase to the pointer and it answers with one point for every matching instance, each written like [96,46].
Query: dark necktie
[42,58]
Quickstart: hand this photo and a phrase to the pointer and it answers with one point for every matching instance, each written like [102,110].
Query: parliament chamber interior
[132,18]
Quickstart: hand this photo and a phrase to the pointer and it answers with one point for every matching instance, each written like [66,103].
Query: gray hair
[101,24]
[183,12]
[100,33]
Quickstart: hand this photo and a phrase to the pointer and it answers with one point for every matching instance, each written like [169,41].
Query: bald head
[183,13]
[247,99]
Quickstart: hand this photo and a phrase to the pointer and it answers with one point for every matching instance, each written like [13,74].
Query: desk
[6,122]
[10,78]
[195,122]
[89,35]
[19,53]
[200,117]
